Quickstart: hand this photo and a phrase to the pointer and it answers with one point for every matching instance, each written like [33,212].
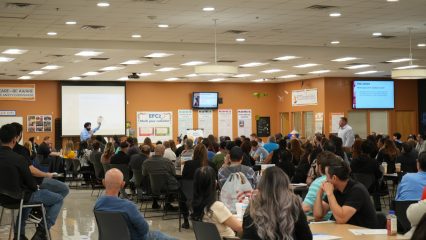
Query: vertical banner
[225,123]
[244,122]
[185,121]
[205,121]
[156,125]
[334,121]
[319,122]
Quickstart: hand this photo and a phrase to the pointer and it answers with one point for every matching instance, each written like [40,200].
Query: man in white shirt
[345,133]
[168,153]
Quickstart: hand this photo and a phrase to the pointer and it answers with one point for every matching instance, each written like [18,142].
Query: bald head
[159,150]
[113,180]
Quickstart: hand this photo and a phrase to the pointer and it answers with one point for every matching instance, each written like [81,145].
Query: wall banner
[156,125]
[304,97]
[17,92]
[244,122]
[224,122]
[185,121]
[205,121]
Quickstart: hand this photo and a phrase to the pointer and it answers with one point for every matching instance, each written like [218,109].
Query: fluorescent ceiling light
[144,74]
[357,66]
[240,39]
[289,76]
[335,14]
[51,67]
[272,71]
[366,72]
[166,69]
[335,42]
[171,79]
[131,62]
[136,36]
[88,53]
[407,67]
[6,59]
[74,78]
[158,55]
[103,4]
[193,63]
[377,34]
[90,73]
[306,65]
[344,59]
[14,51]
[37,72]
[123,79]
[70,22]
[208,9]
[260,80]
[392,0]
[52,33]
[285,58]
[112,68]
[191,75]
[253,64]
[319,71]
[421,45]
[25,77]
[399,60]
[242,75]
[216,79]
[163,25]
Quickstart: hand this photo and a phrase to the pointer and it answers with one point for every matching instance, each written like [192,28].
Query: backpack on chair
[236,182]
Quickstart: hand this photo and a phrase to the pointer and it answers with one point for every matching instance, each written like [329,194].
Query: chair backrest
[159,183]
[124,168]
[137,175]
[381,220]
[365,179]
[10,182]
[205,230]
[187,187]
[111,226]
[401,215]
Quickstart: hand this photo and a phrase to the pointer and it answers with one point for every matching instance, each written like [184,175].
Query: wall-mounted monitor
[374,94]
[205,100]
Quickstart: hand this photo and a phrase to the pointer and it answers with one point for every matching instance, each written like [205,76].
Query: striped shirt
[312,195]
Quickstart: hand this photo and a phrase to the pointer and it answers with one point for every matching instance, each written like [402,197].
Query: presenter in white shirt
[345,133]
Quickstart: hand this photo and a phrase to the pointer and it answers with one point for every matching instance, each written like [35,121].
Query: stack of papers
[368,231]
[324,237]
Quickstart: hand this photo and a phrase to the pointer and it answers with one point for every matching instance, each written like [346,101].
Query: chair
[111,226]
[124,168]
[401,215]
[160,187]
[381,220]
[205,230]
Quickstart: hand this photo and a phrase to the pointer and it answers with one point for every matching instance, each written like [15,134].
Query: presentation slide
[204,100]
[373,95]
[105,104]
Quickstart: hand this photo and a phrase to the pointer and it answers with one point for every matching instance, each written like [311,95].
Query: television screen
[373,94]
[205,100]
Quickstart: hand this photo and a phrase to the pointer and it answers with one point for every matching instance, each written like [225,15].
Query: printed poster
[304,97]
[185,121]
[244,122]
[205,121]
[334,121]
[225,123]
[156,125]
[39,123]
[319,122]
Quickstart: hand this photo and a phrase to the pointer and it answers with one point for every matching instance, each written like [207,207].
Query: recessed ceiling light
[289,76]
[171,79]
[335,42]
[51,67]
[366,72]
[272,71]
[216,79]
[14,51]
[136,36]
[357,66]
[88,53]
[285,58]
[377,34]
[25,77]
[112,68]
[240,39]
[163,25]
[37,72]
[166,69]
[253,64]
[191,75]
[306,65]
[260,80]
[392,0]
[158,55]
[52,33]
[6,59]
[123,79]
[399,60]
[208,9]
[421,45]
[335,14]
[90,73]
[319,71]
[132,62]
[344,59]
[406,67]
[193,63]
[70,22]
[144,74]
[74,78]
[242,75]
[103,4]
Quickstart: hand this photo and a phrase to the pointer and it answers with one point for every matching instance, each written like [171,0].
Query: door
[308,122]
[285,123]
[406,123]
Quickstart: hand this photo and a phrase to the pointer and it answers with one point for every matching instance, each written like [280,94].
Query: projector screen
[373,94]
[205,100]
[91,103]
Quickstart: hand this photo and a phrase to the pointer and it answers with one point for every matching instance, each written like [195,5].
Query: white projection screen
[86,102]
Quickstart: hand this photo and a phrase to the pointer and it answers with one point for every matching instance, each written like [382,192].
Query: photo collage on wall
[39,123]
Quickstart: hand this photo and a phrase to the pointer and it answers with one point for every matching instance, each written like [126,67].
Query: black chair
[400,208]
[381,220]
[111,226]
[124,168]
[207,231]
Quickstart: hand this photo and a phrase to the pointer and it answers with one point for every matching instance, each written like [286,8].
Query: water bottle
[391,223]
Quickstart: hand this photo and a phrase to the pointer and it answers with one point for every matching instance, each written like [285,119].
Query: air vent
[55,55]
[93,27]
[236,31]
[385,62]
[1,74]
[98,59]
[24,70]
[20,5]
[40,63]
[11,75]
[321,7]
[385,37]
[226,61]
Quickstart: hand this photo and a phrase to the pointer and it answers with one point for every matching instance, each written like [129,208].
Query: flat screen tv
[374,94]
[205,100]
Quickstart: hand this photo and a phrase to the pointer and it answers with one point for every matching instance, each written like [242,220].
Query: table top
[342,230]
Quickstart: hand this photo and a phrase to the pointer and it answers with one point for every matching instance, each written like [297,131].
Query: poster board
[304,97]
[17,92]
[319,122]
[224,124]
[39,123]
[263,127]
[244,122]
[158,126]
[7,120]
[334,121]
[185,121]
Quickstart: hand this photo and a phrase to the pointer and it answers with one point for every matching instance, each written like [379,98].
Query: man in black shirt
[52,201]
[121,157]
[348,200]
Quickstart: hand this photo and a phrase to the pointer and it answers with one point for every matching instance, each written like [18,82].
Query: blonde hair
[28,145]
[69,146]
[109,149]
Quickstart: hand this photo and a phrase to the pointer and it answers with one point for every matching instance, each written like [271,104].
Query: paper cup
[398,167]
[385,168]
[239,209]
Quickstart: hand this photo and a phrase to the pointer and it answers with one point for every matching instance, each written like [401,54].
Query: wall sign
[7,113]
[155,125]
[304,97]
[17,92]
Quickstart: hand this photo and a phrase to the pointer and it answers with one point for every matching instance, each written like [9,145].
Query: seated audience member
[187,153]
[420,232]
[110,202]
[33,144]
[281,157]
[302,168]
[414,213]
[147,141]
[45,148]
[396,137]
[69,152]
[219,158]
[135,165]
[209,146]
[121,156]
[133,146]
[29,146]
[109,151]
[95,159]
[258,153]
[247,159]
[388,153]
[408,158]
[181,146]
[206,207]
[168,153]
[412,184]
[324,159]
[421,144]
[271,145]
[275,211]
[363,163]
[199,159]
[52,201]
[236,157]
[348,200]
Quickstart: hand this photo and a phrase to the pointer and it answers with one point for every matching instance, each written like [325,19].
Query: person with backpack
[236,157]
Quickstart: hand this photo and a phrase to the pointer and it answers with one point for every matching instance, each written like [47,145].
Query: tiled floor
[77,221]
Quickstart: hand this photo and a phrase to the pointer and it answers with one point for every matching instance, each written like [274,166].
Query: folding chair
[111,226]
